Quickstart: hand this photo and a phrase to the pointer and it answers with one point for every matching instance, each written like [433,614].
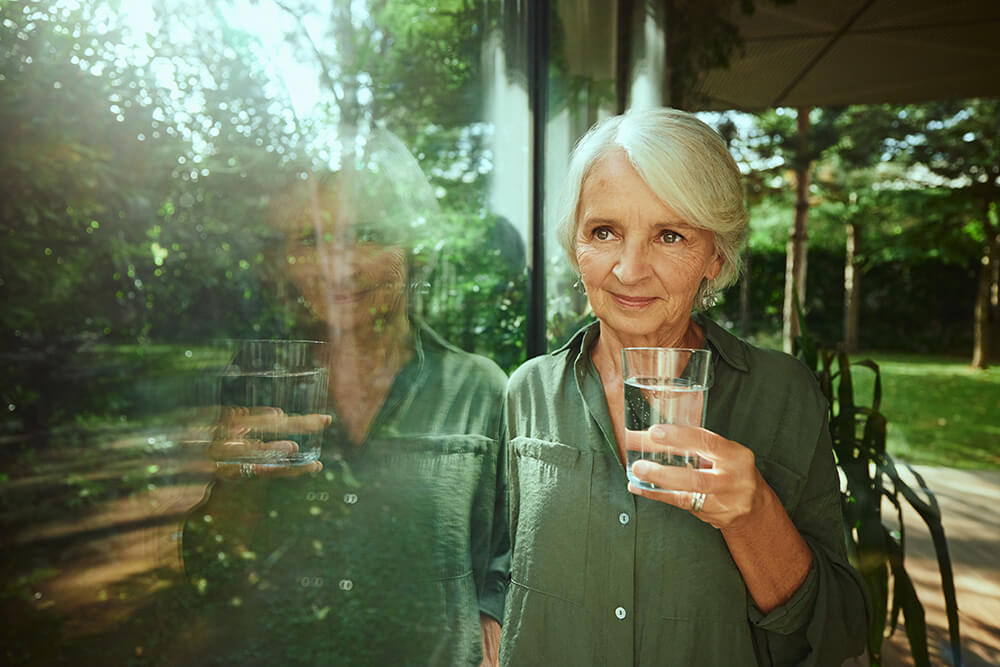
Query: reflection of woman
[746,563]
[391,549]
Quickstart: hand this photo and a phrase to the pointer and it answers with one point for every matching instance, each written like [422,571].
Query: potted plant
[870,477]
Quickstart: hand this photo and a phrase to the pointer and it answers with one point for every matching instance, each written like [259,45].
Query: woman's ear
[714,267]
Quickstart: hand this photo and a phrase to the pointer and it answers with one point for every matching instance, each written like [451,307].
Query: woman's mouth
[632,302]
[352,296]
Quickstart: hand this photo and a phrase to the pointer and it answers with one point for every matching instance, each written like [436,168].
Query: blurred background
[143,140]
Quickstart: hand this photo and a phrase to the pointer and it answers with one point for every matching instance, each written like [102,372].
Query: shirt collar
[728,347]
[732,350]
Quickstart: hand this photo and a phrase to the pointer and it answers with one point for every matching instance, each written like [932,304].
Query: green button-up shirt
[603,577]
[387,556]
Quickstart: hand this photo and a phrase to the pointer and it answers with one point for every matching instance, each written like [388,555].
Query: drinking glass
[663,385]
[273,393]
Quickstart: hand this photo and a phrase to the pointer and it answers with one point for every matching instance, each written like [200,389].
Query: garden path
[970,507]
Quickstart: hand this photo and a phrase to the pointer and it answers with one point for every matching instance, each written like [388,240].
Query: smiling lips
[352,296]
[632,302]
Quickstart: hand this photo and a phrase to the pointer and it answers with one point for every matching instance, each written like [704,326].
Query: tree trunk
[984,294]
[995,301]
[798,242]
[852,287]
[745,295]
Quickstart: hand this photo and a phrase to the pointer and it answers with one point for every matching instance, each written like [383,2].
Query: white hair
[687,166]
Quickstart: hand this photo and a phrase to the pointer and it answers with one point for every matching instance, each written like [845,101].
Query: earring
[579,286]
[420,287]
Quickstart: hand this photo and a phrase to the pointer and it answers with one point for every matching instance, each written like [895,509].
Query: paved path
[970,507]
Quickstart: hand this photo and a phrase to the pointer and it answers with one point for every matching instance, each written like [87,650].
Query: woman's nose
[339,261]
[632,264]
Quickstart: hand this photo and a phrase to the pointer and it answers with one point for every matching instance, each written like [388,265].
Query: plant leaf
[905,595]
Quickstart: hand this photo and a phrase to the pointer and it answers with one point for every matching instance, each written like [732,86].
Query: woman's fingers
[698,440]
[236,448]
[249,443]
[270,420]
[246,433]
[307,423]
[676,478]
[251,471]
[685,500]
[692,443]
[728,479]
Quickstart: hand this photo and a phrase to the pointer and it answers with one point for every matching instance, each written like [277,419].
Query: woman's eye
[307,239]
[369,234]
[670,237]
[602,233]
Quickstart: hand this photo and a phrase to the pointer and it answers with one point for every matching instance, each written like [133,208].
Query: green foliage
[478,292]
[779,139]
[915,183]
[948,147]
[138,173]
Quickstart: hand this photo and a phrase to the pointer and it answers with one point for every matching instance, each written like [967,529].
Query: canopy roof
[834,52]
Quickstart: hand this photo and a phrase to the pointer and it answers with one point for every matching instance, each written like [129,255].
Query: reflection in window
[147,146]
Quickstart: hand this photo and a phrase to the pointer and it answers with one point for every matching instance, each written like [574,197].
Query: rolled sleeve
[794,614]
[493,597]
[826,620]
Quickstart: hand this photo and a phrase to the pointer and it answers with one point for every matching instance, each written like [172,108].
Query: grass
[940,411]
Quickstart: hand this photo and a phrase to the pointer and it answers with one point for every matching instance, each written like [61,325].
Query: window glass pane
[178,175]
[581,91]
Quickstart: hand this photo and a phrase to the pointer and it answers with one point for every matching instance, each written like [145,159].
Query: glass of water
[663,385]
[273,401]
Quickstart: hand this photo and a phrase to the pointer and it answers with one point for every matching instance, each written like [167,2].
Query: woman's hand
[491,640]
[233,442]
[732,486]
[772,556]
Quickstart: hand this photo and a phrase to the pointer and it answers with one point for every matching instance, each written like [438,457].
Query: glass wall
[604,58]
[182,177]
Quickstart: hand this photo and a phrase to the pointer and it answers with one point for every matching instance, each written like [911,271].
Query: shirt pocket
[432,482]
[551,486]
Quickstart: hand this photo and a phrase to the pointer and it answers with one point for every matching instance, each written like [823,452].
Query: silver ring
[697,501]
[248,471]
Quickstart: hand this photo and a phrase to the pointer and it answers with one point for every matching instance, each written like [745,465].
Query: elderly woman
[391,549]
[745,563]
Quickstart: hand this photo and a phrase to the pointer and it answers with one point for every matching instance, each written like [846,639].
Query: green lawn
[940,410]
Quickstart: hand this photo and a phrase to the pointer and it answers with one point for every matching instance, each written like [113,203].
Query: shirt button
[623,518]
[347,584]
[350,498]
[620,613]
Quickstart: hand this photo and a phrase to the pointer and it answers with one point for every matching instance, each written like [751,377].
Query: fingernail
[640,468]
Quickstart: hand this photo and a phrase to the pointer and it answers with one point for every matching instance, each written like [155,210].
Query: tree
[412,67]
[794,144]
[960,145]
[953,146]
[124,209]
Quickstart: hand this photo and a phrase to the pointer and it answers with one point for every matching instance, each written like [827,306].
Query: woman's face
[640,262]
[345,261]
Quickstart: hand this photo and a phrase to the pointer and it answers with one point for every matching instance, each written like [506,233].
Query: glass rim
[272,340]
[666,349]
